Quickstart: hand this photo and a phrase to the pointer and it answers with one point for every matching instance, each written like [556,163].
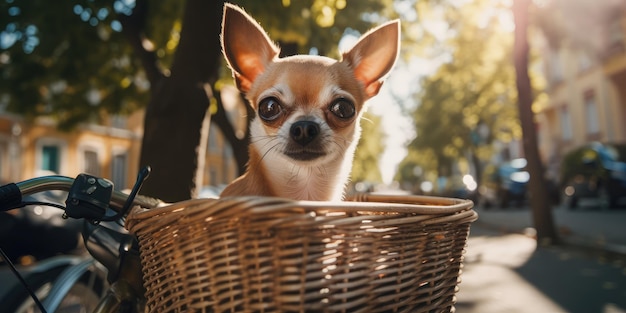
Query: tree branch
[132,26]
[239,145]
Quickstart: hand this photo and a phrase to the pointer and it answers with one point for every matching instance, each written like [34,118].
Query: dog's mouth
[304,154]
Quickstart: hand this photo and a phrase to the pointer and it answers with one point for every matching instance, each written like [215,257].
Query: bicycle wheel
[83,296]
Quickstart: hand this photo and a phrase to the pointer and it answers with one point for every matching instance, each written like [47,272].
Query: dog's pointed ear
[374,55]
[246,46]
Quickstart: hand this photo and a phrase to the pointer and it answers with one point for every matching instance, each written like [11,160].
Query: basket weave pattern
[380,254]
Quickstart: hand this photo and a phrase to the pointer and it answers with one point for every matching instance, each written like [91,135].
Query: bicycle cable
[25,203]
[6,258]
[22,281]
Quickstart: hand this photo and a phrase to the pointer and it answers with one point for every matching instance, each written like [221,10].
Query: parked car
[504,184]
[42,231]
[595,171]
[457,186]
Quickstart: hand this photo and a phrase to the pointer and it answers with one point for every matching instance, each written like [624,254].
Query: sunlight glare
[500,10]
[348,40]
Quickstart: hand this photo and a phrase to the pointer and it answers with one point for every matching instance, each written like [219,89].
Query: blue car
[505,184]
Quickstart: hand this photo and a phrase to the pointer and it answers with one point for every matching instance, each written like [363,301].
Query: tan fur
[305,87]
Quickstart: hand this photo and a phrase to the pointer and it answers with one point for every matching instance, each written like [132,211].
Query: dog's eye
[270,109]
[342,108]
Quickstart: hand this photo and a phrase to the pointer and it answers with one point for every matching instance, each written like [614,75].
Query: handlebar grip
[10,197]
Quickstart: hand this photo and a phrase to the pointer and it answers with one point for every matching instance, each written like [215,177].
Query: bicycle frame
[79,266]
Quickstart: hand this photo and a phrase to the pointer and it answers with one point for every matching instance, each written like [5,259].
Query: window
[119,121]
[213,176]
[50,158]
[89,157]
[615,32]
[3,159]
[584,62]
[4,102]
[227,151]
[214,146]
[591,114]
[555,71]
[119,169]
[91,163]
[566,124]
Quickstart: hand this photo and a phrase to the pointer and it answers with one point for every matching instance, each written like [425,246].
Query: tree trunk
[175,117]
[539,200]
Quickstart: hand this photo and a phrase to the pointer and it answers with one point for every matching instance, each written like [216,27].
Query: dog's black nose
[303,132]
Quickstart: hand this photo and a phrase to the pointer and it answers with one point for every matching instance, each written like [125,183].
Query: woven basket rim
[440,209]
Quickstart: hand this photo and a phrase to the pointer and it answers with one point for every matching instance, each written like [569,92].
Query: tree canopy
[474,89]
[71,59]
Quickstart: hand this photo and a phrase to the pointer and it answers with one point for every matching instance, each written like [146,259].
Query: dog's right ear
[246,46]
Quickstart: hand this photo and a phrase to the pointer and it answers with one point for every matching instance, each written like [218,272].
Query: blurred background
[107,86]
[80,78]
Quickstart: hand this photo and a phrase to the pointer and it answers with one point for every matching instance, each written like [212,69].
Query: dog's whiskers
[267,152]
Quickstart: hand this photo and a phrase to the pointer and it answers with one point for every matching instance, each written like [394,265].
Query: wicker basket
[251,254]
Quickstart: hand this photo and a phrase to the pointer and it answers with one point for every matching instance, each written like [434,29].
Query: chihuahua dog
[307,108]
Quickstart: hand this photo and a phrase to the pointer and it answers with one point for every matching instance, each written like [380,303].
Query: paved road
[600,229]
[507,272]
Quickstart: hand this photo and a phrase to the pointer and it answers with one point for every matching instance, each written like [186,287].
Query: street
[505,271]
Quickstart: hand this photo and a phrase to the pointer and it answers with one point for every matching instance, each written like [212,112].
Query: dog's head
[308,107]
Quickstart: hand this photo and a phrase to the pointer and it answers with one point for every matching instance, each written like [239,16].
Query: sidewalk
[585,227]
[508,272]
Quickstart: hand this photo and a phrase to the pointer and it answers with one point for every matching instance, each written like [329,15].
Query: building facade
[112,149]
[586,89]
[34,148]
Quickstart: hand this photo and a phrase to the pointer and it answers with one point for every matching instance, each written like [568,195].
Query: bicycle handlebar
[63,183]
[89,197]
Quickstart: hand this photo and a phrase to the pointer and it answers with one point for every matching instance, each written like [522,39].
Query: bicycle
[71,281]
[374,253]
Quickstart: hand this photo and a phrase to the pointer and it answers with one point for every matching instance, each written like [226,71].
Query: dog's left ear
[374,55]
[246,46]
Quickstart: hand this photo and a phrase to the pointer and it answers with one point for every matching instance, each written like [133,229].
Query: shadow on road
[507,272]
[577,280]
